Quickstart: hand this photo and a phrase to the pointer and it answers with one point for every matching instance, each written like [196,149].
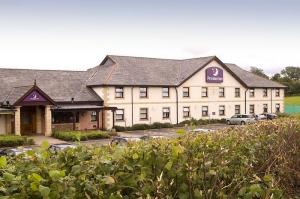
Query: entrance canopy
[81,107]
[6,111]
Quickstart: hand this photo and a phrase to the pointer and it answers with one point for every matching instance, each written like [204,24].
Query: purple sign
[214,75]
[34,96]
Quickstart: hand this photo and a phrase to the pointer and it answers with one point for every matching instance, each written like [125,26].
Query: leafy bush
[80,135]
[256,161]
[14,140]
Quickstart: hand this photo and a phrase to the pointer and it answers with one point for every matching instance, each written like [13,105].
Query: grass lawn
[293,100]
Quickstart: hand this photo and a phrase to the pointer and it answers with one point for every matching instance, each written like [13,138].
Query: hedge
[80,135]
[14,140]
[257,161]
[158,125]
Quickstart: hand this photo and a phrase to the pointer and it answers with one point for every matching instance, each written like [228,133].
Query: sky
[77,35]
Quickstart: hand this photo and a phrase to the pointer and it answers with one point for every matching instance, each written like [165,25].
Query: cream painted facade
[155,102]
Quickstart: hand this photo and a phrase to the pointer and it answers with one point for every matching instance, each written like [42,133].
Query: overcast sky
[76,35]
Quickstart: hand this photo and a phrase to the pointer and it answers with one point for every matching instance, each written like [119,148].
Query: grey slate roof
[60,86]
[124,70]
[252,80]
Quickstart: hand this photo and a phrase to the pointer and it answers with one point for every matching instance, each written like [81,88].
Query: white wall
[155,102]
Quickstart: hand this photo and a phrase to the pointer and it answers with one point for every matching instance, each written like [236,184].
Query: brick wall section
[18,120]
[48,121]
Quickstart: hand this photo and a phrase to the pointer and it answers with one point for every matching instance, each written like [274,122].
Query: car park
[54,148]
[202,130]
[260,117]
[241,119]
[14,151]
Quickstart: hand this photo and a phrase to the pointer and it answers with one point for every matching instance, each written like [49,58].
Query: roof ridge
[155,58]
[43,69]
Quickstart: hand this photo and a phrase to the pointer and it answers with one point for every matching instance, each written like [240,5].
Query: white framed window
[251,109]
[277,108]
[265,92]
[251,92]
[93,116]
[237,109]
[165,92]
[221,92]
[120,115]
[204,111]
[143,92]
[265,108]
[166,112]
[143,113]
[222,110]
[237,92]
[186,112]
[204,92]
[186,92]
[277,92]
[119,92]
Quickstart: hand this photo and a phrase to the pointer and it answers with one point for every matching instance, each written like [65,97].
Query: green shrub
[80,135]
[256,161]
[14,140]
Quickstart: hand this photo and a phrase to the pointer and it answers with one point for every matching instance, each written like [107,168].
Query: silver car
[241,119]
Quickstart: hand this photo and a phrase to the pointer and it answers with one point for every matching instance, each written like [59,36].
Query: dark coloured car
[54,148]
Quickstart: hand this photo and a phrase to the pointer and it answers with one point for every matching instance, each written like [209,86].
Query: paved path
[39,139]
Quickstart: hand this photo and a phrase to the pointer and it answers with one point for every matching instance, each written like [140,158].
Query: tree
[276,77]
[291,72]
[258,71]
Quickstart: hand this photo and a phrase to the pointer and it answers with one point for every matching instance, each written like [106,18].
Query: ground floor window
[251,108]
[186,112]
[277,107]
[237,109]
[120,115]
[204,111]
[265,108]
[221,110]
[143,114]
[64,117]
[166,113]
[93,116]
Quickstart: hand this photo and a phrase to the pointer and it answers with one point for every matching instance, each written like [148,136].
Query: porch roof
[82,107]
[6,111]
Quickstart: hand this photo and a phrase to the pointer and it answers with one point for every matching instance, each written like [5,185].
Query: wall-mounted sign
[34,96]
[214,75]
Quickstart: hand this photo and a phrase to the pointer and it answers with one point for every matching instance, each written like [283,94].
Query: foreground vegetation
[14,140]
[80,135]
[258,161]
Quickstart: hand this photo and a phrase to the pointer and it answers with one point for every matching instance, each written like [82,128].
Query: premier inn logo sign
[214,75]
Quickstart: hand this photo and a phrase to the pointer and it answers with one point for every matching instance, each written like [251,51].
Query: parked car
[149,137]
[54,148]
[201,130]
[260,117]
[271,116]
[14,151]
[241,119]
[124,140]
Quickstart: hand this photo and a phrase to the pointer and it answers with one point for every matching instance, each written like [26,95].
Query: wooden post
[113,112]
[74,120]
[102,118]
[98,122]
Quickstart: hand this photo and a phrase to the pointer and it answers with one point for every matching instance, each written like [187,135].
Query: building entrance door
[28,120]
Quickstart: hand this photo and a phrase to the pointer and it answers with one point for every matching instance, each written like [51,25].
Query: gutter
[246,100]
[176,105]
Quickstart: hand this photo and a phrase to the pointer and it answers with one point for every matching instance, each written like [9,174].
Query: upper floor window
[120,115]
[119,92]
[166,113]
[165,92]
[204,111]
[143,92]
[221,92]
[277,92]
[251,109]
[143,113]
[186,92]
[251,92]
[265,92]
[93,116]
[204,92]
[221,110]
[237,92]
[265,108]
[237,109]
[186,111]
